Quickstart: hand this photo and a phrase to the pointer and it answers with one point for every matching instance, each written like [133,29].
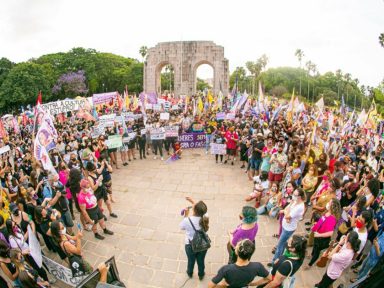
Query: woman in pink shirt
[231,139]
[90,210]
[341,256]
[63,178]
[323,230]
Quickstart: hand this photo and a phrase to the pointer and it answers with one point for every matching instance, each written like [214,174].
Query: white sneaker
[162,158]
[155,157]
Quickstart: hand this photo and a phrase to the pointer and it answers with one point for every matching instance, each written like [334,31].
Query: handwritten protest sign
[97,131]
[114,141]
[61,273]
[171,131]
[220,116]
[230,116]
[4,149]
[219,149]
[157,134]
[107,120]
[64,106]
[130,137]
[164,116]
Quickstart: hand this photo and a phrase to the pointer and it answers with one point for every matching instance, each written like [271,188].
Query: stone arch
[159,67]
[185,57]
[195,67]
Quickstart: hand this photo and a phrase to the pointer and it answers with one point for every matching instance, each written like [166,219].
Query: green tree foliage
[201,85]
[23,83]
[5,67]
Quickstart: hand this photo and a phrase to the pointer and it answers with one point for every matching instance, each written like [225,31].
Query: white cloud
[333,34]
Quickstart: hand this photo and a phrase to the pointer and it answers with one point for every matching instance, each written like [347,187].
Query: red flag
[39,99]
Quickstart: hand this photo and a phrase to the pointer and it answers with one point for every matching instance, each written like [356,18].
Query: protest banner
[197,127]
[230,116]
[171,131]
[219,149]
[164,116]
[157,134]
[220,116]
[114,141]
[103,97]
[107,120]
[156,107]
[192,140]
[175,107]
[61,273]
[130,137]
[148,106]
[34,247]
[64,106]
[4,149]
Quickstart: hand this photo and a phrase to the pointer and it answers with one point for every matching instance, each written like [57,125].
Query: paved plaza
[148,245]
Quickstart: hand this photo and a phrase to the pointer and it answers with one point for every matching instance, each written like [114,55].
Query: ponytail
[353,239]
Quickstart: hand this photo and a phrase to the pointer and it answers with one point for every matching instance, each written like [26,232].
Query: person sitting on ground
[243,272]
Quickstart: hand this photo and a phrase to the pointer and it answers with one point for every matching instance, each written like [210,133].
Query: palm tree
[299,54]
[143,51]
[381,39]
[255,68]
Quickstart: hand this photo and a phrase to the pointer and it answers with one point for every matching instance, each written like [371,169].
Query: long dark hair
[300,245]
[200,209]
[55,231]
[353,239]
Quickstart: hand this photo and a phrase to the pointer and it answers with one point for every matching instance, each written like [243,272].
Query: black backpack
[200,241]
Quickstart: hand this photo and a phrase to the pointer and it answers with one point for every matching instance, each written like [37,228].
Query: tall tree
[300,55]
[143,51]
[255,68]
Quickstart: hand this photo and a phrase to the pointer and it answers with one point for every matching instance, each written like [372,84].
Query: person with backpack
[243,272]
[195,224]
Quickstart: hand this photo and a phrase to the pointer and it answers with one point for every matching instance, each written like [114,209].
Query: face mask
[35,197]
[64,231]
[359,224]
[294,198]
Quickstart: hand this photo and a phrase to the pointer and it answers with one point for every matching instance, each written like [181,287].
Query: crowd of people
[304,166]
[314,166]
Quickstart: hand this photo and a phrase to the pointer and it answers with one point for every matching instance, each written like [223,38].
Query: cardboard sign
[34,247]
[107,120]
[64,106]
[4,149]
[130,137]
[114,141]
[157,134]
[62,273]
[220,116]
[230,116]
[171,131]
[97,131]
[192,140]
[164,116]
[218,149]
[175,107]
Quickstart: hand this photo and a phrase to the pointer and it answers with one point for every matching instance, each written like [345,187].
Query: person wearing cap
[246,230]
[256,158]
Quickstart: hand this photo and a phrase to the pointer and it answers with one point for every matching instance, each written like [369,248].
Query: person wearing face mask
[90,210]
[7,266]
[360,225]
[323,230]
[341,257]
[286,265]
[271,207]
[309,181]
[278,162]
[292,214]
[18,241]
[71,245]
[158,144]
[21,219]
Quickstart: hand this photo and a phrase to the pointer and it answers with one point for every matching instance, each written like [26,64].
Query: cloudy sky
[334,34]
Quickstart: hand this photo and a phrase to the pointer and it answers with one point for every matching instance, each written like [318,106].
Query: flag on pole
[39,100]
[320,104]
[290,108]
[200,105]
[209,96]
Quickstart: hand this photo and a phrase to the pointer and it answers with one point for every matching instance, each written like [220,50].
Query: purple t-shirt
[241,234]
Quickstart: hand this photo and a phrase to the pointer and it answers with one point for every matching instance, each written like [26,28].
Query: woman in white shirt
[19,242]
[194,218]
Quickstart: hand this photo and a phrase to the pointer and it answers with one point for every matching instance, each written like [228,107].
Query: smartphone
[79,227]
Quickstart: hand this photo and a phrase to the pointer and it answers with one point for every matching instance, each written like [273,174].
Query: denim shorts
[255,163]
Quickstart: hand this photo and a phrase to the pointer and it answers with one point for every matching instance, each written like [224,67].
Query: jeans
[285,235]
[158,144]
[195,257]
[208,140]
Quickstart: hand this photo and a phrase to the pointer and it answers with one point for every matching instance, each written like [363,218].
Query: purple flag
[152,98]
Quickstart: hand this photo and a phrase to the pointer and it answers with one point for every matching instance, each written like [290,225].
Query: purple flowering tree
[70,84]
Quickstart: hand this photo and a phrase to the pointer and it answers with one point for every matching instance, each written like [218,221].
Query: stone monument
[185,57]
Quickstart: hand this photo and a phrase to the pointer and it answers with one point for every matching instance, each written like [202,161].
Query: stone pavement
[148,244]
